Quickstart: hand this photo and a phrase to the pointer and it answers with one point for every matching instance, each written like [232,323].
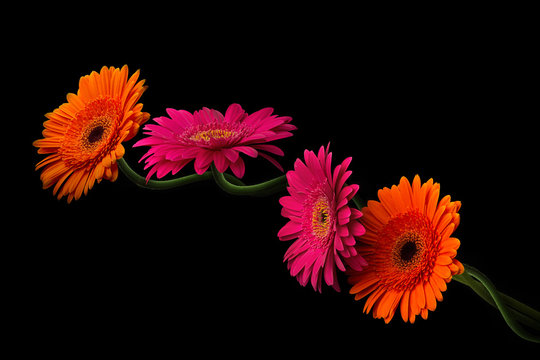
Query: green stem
[358,202]
[514,305]
[266,188]
[164,184]
[513,311]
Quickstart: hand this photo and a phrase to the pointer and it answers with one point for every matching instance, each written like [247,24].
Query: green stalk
[266,188]
[513,312]
[165,184]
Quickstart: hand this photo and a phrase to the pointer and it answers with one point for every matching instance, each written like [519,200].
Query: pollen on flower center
[319,220]
[214,135]
[206,135]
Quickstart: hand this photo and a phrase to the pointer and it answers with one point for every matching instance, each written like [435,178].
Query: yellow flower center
[320,220]
[207,135]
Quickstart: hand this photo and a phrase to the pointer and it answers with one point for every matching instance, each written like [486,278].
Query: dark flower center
[407,251]
[96,134]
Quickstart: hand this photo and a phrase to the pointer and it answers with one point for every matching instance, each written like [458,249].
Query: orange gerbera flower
[409,250]
[85,134]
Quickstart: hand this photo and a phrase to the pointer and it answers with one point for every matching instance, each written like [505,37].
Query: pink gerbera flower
[209,137]
[321,220]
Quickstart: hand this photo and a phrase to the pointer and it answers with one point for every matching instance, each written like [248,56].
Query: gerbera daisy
[84,135]
[208,136]
[321,221]
[409,248]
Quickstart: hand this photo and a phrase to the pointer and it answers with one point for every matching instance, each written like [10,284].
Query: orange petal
[433,198]
[404,305]
[421,296]
[443,260]
[442,271]
[416,186]
[431,302]
[435,288]
[406,192]
[365,283]
[379,211]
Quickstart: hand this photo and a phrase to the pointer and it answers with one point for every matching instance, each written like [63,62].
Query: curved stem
[358,202]
[164,184]
[481,284]
[263,189]
[515,306]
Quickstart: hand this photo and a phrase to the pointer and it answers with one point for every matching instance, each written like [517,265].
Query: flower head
[84,135]
[321,221]
[409,248]
[207,136]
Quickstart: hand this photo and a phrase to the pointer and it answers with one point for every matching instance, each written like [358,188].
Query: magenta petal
[329,269]
[148,141]
[248,150]
[290,202]
[338,244]
[203,161]
[270,148]
[356,228]
[272,160]
[230,154]
[356,262]
[344,215]
[356,214]
[221,161]
[183,117]
[339,263]
[234,113]
[349,240]
[164,169]
[291,228]
[255,118]
[238,168]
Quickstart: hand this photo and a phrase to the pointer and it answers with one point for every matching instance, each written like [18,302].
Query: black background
[451,95]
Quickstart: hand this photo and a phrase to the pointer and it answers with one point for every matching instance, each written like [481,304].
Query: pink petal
[148,141]
[183,117]
[238,168]
[295,181]
[349,240]
[248,150]
[356,262]
[234,113]
[339,263]
[270,148]
[356,228]
[272,161]
[172,125]
[290,202]
[338,244]
[290,230]
[164,169]
[158,130]
[203,161]
[303,172]
[221,161]
[329,270]
[344,215]
[180,165]
[230,154]
[356,214]
[258,116]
